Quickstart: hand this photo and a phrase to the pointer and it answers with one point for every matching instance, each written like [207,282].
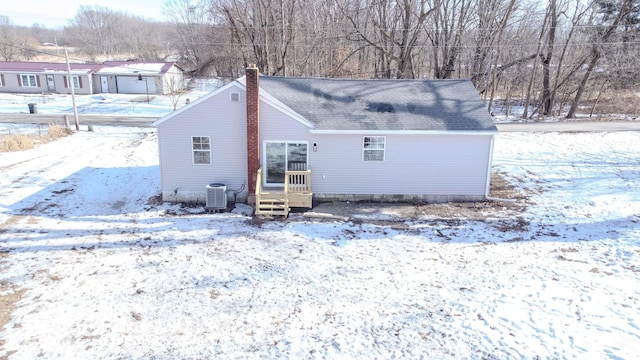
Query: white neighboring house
[126,77]
[392,140]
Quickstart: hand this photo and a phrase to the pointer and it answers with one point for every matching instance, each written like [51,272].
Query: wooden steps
[272,206]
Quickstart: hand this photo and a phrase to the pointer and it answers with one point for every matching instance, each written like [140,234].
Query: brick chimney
[253,129]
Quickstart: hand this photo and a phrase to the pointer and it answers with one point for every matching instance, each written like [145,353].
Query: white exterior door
[51,83]
[104,81]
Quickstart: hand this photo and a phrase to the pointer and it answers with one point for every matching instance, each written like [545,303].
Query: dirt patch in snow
[9,296]
[514,205]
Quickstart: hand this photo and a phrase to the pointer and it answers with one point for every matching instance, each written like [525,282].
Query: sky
[28,12]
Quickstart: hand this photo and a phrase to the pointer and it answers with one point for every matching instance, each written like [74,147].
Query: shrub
[16,142]
[21,142]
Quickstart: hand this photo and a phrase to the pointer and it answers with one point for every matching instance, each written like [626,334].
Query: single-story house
[110,77]
[41,77]
[282,141]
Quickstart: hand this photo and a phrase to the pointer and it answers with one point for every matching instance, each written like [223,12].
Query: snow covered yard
[102,270]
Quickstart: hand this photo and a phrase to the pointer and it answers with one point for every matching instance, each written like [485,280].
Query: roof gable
[240,83]
[383,105]
[197,102]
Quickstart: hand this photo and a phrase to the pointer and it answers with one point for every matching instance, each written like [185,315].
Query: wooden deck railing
[297,181]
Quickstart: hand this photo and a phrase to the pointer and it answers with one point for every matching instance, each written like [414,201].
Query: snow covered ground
[108,272]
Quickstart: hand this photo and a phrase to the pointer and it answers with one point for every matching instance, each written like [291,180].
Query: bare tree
[176,89]
[9,43]
[262,30]
[445,31]
[614,14]
[192,33]
[395,33]
[502,26]
[103,33]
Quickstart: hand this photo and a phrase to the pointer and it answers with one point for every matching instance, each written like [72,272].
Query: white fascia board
[403,132]
[196,102]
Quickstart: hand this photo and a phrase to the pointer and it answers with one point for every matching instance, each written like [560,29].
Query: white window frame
[29,78]
[286,160]
[198,148]
[237,96]
[75,80]
[379,145]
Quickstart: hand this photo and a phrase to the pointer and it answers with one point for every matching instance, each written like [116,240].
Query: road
[574,126]
[84,120]
[138,121]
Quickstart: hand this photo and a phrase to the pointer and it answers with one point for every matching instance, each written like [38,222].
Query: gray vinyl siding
[276,125]
[225,123]
[413,165]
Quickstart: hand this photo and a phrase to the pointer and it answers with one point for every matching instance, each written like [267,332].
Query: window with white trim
[201,147]
[28,80]
[75,80]
[373,148]
[234,96]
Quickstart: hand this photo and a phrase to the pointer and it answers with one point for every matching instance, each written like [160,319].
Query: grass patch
[21,142]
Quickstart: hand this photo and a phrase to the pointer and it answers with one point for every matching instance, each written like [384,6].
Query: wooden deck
[295,193]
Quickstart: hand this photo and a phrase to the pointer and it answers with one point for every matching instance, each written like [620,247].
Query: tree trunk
[545,103]
[596,54]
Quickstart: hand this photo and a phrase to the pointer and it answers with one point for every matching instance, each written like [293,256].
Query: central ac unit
[216,196]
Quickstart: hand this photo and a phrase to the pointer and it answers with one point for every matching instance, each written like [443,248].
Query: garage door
[131,85]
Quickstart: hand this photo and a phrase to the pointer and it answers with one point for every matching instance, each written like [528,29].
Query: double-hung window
[28,80]
[373,148]
[75,80]
[201,147]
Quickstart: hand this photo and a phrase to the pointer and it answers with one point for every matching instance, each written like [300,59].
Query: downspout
[486,192]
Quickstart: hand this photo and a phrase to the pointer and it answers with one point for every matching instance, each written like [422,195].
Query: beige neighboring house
[110,77]
[42,77]
[281,142]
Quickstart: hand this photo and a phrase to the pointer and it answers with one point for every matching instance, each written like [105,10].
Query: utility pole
[73,93]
